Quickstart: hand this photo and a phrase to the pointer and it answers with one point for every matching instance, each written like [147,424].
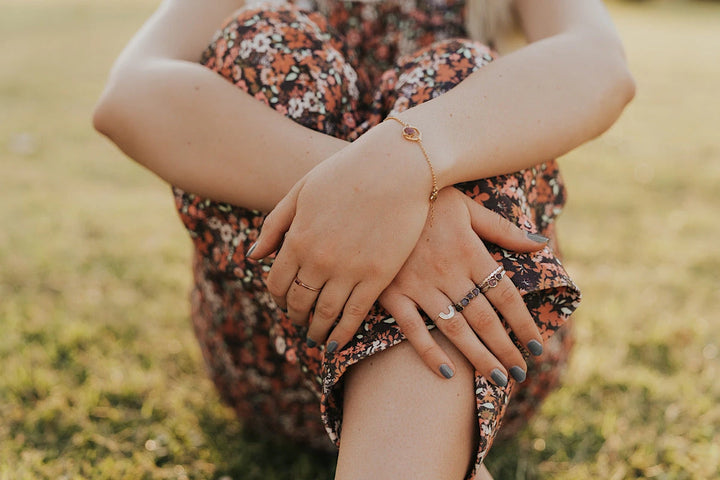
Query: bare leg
[401,420]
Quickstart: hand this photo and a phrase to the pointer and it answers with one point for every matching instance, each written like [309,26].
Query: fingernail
[446,371]
[310,342]
[518,374]
[536,237]
[331,347]
[535,347]
[498,377]
[250,250]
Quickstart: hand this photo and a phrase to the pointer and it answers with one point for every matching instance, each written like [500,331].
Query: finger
[486,324]
[482,318]
[508,301]
[455,327]
[494,228]
[281,276]
[356,309]
[276,224]
[327,310]
[413,327]
[301,296]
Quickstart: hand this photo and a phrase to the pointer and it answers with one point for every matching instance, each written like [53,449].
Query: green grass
[101,376]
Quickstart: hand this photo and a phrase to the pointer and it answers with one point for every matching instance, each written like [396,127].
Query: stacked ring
[492,280]
[459,306]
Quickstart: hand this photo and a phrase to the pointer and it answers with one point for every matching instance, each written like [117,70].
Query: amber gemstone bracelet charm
[413,134]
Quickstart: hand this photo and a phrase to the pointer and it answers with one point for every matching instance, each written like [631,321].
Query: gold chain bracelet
[413,134]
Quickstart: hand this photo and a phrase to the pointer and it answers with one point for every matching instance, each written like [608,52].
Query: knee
[256,34]
[438,67]
[286,58]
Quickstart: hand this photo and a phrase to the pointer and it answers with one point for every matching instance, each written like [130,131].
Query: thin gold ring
[305,285]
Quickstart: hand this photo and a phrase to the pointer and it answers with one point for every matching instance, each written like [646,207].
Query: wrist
[436,143]
[398,162]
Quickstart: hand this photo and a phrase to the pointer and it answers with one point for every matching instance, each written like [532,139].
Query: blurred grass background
[100,376]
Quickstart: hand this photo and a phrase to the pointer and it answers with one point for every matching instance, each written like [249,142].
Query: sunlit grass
[101,376]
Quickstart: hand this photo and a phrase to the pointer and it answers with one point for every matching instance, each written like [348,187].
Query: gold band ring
[305,285]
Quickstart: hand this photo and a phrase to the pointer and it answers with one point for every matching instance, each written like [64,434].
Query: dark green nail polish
[518,374]
[331,347]
[499,378]
[536,237]
[446,371]
[535,347]
[310,342]
[250,250]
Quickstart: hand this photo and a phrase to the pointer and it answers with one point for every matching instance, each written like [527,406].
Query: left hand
[348,227]
[449,261]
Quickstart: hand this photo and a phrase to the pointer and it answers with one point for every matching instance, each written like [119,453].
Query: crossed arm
[567,86]
[197,131]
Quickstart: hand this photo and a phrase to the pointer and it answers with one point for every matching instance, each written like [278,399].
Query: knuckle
[484,319]
[411,328]
[343,332]
[527,330]
[427,351]
[297,319]
[375,269]
[274,289]
[506,292]
[295,304]
[509,355]
[483,363]
[323,259]
[326,311]
[453,327]
[354,311]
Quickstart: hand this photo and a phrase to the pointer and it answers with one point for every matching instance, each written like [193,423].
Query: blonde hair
[486,20]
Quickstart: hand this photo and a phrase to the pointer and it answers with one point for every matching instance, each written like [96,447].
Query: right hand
[346,229]
[447,262]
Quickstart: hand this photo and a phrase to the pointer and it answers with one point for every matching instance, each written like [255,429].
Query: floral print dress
[341,68]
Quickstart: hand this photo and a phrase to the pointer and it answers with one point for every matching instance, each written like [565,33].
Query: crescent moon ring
[449,315]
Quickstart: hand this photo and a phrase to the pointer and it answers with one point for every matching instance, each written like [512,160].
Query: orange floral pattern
[341,70]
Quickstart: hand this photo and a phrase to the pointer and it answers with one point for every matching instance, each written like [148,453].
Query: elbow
[621,88]
[616,84]
[114,117]
[115,110]
[615,92]
[106,115]
[626,86]
[622,81]
[102,118]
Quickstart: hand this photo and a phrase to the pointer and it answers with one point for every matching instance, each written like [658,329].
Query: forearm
[192,127]
[533,105]
[199,132]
